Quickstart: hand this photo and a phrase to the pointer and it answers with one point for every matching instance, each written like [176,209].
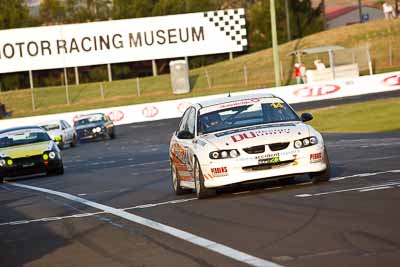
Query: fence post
[102,91]
[66,85]
[32,92]
[245,74]
[369,59]
[208,79]
[138,86]
[109,72]
[281,69]
[390,55]
[76,76]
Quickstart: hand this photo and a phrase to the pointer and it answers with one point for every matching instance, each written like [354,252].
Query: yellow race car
[28,150]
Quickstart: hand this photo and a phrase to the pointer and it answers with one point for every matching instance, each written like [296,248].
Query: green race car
[28,150]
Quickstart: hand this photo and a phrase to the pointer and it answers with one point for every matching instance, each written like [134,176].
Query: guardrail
[175,108]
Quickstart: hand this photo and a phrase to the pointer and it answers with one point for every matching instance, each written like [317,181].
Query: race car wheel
[58,171]
[112,135]
[201,190]
[74,141]
[61,145]
[324,176]
[176,182]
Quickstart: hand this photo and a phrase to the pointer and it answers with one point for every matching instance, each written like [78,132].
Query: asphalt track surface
[88,217]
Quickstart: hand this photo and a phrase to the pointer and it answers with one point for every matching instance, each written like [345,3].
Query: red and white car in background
[244,138]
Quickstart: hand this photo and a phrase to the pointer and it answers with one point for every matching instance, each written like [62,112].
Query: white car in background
[244,138]
[63,129]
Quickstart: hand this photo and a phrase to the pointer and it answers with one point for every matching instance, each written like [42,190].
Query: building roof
[332,12]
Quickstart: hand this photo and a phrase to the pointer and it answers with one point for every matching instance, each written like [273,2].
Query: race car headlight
[10,162]
[305,142]
[298,144]
[313,140]
[98,129]
[45,156]
[94,130]
[52,155]
[2,163]
[224,154]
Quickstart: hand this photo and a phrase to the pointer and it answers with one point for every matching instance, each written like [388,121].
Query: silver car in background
[62,129]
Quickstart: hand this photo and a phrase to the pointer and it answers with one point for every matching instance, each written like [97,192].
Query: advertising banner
[175,108]
[127,40]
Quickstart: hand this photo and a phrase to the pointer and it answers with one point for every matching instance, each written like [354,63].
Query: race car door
[183,147]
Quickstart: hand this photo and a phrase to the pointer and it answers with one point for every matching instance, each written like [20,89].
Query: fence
[246,72]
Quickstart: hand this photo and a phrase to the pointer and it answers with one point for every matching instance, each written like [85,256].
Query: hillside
[381,36]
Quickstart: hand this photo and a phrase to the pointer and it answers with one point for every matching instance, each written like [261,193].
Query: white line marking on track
[363,175]
[147,163]
[376,188]
[151,205]
[48,219]
[194,239]
[389,185]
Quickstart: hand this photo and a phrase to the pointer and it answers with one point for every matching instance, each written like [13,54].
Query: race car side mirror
[306,117]
[185,135]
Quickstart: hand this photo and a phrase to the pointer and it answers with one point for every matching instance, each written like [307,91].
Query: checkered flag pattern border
[232,22]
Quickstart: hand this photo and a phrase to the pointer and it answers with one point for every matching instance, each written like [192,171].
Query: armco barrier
[174,108]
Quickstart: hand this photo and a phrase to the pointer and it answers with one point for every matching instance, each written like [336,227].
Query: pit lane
[352,220]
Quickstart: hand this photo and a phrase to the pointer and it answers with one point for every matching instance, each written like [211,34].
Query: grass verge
[371,116]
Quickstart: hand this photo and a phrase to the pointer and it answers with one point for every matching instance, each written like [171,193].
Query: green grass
[224,76]
[371,116]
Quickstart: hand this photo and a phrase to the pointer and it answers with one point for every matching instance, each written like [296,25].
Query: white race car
[244,138]
[62,129]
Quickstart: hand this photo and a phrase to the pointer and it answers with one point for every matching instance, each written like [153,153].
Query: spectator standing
[297,73]
[388,10]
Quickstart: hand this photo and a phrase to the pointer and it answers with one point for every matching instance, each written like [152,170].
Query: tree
[52,12]
[14,14]
[123,9]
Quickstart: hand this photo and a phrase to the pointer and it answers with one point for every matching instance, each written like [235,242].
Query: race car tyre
[112,135]
[324,176]
[58,171]
[201,190]
[74,141]
[176,182]
[61,145]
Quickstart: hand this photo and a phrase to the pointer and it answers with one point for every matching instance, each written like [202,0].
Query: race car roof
[85,116]
[20,128]
[228,99]
[50,122]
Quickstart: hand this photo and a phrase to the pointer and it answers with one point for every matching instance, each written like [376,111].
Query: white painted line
[273,188]
[148,163]
[242,192]
[151,205]
[376,188]
[348,190]
[194,239]
[363,175]
[80,215]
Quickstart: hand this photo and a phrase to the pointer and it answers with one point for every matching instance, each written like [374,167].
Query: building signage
[122,40]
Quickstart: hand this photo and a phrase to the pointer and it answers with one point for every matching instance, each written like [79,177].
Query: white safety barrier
[175,108]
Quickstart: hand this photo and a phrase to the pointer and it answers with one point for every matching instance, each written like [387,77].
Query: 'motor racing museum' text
[122,40]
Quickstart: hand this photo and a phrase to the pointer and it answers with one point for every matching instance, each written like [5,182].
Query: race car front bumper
[247,168]
[30,165]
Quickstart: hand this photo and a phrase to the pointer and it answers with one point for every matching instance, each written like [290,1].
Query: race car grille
[278,146]
[28,161]
[254,149]
[268,166]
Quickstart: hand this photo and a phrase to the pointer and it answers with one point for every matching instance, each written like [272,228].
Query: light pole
[275,47]
[289,34]
[360,10]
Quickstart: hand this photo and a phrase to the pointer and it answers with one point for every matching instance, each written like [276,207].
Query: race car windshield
[246,115]
[87,120]
[22,138]
[50,127]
